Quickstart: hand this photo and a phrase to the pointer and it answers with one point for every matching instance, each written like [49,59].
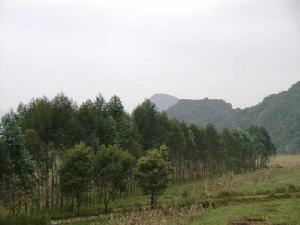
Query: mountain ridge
[278,113]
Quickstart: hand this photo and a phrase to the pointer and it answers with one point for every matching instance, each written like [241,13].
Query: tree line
[56,154]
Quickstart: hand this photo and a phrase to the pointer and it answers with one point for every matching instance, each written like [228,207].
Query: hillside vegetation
[278,113]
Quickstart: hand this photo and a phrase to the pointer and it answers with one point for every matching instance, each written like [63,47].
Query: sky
[236,50]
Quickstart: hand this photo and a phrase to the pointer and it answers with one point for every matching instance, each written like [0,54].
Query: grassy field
[284,211]
[269,197]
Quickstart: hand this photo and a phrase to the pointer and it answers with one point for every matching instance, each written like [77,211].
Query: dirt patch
[72,220]
[250,221]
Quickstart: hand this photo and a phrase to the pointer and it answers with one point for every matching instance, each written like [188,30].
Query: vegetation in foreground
[267,197]
[283,211]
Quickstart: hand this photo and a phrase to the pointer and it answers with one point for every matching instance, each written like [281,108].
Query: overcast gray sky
[237,50]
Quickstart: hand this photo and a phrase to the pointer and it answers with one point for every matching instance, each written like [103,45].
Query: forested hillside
[202,112]
[58,156]
[278,113]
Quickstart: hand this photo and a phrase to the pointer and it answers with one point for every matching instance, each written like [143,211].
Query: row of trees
[103,174]
[34,156]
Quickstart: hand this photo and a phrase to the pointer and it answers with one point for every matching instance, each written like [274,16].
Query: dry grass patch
[160,216]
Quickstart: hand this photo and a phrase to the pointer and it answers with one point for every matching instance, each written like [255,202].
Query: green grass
[285,211]
[280,182]
[282,177]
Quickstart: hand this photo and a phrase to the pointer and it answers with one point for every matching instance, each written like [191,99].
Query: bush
[292,188]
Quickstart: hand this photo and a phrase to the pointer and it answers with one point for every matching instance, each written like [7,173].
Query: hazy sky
[237,50]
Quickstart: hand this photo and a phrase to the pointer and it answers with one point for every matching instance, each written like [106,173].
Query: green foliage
[75,172]
[19,166]
[37,116]
[89,124]
[115,108]
[128,135]
[4,160]
[146,120]
[62,122]
[154,172]
[112,170]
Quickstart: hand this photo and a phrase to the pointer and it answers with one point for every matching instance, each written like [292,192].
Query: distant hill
[202,112]
[163,101]
[278,113]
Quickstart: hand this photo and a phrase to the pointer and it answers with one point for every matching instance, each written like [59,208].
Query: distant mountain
[278,113]
[202,112]
[163,101]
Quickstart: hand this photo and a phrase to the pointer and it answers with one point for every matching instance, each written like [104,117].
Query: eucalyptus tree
[154,173]
[115,108]
[4,167]
[176,145]
[145,117]
[112,169]
[128,135]
[200,155]
[62,125]
[87,124]
[18,182]
[37,116]
[244,148]
[75,172]
[214,148]
[264,148]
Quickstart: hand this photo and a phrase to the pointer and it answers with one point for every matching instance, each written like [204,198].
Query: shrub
[292,188]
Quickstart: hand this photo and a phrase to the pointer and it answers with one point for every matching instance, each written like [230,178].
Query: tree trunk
[106,201]
[152,200]
[78,205]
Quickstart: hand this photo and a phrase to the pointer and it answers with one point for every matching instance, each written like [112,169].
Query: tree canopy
[154,172]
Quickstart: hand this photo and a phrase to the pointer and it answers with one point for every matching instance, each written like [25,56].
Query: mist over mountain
[278,113]
[163,101]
